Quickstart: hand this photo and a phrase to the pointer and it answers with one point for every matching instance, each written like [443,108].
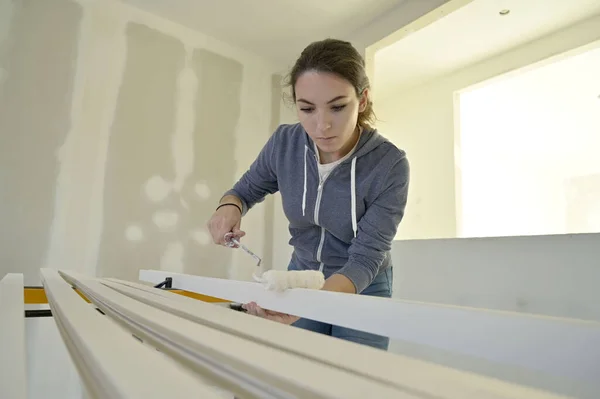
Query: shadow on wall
[35,105]
[170,158]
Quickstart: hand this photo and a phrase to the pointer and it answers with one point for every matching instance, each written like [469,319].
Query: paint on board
[35,104]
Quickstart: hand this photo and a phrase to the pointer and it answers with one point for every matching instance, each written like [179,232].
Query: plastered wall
[119,132]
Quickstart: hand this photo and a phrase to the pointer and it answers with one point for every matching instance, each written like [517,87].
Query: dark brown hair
[340,58]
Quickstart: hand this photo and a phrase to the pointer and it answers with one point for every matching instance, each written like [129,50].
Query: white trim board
[13,372]
[427,379]
[257,370]
[111,363]
[560,347]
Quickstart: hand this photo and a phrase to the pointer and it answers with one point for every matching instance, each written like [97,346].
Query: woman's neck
[329,157]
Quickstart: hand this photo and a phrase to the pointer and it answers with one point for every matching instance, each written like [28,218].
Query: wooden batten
[13,371]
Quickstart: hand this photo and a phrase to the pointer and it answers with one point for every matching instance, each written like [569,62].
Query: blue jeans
[382,287]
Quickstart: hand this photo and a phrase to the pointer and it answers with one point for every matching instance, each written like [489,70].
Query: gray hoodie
[344,225]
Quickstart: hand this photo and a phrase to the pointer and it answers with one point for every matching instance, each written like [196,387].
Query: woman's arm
[339,283]
[259,180]
[376,231]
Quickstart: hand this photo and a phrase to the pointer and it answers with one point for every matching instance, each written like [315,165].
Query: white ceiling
[277,29]
[472,33]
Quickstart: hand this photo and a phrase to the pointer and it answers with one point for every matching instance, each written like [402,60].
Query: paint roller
[279,280]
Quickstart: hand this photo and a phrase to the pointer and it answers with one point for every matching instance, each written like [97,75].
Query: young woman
[343,186]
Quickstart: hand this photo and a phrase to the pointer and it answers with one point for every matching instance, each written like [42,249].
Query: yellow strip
[37,295]
[200,297]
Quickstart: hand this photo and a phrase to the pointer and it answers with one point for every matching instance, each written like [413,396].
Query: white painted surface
[555,276]
[473,32]
[422,121]
[13,362]
[102,361]
[245,367]
[417,376]
[51,373]
[558,347]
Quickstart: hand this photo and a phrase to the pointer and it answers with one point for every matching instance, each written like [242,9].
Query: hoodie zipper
[321,242]
[317,207]
[316,216]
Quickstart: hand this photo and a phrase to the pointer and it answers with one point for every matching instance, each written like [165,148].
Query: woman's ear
[363,101]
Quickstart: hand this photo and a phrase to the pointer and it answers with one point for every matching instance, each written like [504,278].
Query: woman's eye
[338,108]
[307,110]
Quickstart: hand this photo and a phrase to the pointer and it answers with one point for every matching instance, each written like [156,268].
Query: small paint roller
[281,280]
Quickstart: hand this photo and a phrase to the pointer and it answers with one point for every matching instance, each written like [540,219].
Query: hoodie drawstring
[352,191]
[353,195]
[305,173]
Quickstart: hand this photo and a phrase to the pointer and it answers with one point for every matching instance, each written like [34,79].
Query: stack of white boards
[150,343]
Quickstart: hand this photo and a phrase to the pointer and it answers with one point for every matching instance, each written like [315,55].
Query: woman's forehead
[322,87]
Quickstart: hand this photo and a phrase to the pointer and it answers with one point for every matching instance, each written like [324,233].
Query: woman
[343,186]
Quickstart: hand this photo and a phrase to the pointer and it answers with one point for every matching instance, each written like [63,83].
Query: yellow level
[37,295]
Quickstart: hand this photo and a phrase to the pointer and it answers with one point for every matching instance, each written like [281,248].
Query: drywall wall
[422,121]
[120,131]
[551,275]
[35,98]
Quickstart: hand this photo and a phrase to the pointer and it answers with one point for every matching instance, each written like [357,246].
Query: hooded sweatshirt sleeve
[377,228]
[259,180]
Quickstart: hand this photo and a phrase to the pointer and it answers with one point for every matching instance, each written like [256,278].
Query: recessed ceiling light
[504,12]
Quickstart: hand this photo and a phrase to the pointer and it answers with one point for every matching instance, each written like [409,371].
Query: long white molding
[111,363]
[13,372]
[411,375]
[256,370]
[560,347]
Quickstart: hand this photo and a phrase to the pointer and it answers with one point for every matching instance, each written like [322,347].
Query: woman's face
[328,110]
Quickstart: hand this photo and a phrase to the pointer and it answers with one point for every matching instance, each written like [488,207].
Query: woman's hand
[226,219]
[255,310]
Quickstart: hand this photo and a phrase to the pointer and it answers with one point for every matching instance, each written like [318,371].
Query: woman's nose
[323,123]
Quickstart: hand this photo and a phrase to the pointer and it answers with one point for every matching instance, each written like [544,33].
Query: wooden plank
[252,369]
[110,361]
[13,372]
[427,379]
[561,347]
